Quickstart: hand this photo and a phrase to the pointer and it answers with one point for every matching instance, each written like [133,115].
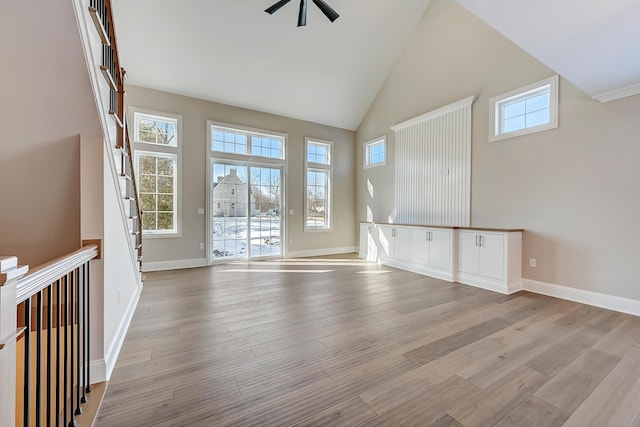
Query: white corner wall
[121,285]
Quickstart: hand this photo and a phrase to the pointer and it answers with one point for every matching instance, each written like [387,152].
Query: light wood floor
[341,342]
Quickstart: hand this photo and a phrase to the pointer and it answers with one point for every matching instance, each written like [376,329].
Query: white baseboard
[610,302]
[478,282]
[419,269]
[98,369]
[114,349]
[174,264]
[321,252]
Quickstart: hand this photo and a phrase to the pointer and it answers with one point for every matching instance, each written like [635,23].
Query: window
[153,129]
[375,152]
[533,108]
[246,142]
[318,152]
[318,185]
[156,145]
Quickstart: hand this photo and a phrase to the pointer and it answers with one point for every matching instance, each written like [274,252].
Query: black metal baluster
[103,10]
[83,318]
[76,310]
[27,363]
[58,338]
[49,349]
[65,370]
[71,303]
[88,326]
[38,358]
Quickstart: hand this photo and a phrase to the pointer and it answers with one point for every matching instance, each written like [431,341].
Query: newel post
[10,272]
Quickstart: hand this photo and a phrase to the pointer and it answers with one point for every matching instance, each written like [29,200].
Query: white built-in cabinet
[394,242]
[368,242]
[432,248]
[490,259]
[486,258]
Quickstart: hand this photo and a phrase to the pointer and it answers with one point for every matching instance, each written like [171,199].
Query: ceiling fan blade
[273,9]
[327,10]
[302,15]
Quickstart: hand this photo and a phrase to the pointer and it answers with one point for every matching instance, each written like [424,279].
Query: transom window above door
[246,142]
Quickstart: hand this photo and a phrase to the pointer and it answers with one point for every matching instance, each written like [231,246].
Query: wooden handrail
[14,335]
[47,273]
[102,15]
[133,177]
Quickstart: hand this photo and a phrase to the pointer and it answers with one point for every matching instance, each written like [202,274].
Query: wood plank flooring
[338,341]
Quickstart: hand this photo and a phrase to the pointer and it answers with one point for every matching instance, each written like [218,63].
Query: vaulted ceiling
[594,44]
[232,52]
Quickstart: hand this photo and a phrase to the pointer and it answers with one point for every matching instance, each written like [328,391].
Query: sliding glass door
[245,211]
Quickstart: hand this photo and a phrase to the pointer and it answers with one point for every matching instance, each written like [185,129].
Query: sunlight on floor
[256,270]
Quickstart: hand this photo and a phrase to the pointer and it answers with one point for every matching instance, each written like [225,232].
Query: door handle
[480,240]
[476,240]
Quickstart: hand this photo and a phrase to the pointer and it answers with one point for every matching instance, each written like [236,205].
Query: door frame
[248,161]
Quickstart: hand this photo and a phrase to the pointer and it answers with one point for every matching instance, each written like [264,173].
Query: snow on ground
[230,236]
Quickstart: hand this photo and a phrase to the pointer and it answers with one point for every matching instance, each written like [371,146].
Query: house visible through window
[375,152]
[318,185]
[156,148]
[533,108]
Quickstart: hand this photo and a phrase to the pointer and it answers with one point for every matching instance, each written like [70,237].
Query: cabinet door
[365,232]
[402,244]
[468,256]
[368,242]
[420,246]
[491,256]
[440,249]
[385,241]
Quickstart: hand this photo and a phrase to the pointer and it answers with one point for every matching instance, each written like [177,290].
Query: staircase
[108,80]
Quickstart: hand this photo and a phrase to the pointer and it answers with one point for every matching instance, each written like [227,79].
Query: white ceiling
[231,51]
[595,44]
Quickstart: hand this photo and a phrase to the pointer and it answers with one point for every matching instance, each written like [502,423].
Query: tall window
[156,145]
[533,108]
[318,185]
[375,152]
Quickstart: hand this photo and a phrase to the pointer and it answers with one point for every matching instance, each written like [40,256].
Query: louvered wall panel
[433,167]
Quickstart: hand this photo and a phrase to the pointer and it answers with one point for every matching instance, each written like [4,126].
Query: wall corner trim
[610,302]
[620,93]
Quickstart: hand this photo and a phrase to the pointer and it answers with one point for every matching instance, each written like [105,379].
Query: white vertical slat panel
[433,167]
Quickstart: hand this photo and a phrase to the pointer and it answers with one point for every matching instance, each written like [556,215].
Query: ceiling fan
[331,14]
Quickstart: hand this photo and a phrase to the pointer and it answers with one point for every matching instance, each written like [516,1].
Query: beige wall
[46,102]
[574,189]
[195,113]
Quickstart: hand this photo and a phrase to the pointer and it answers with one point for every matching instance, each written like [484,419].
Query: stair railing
[51,342]
[115,75]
